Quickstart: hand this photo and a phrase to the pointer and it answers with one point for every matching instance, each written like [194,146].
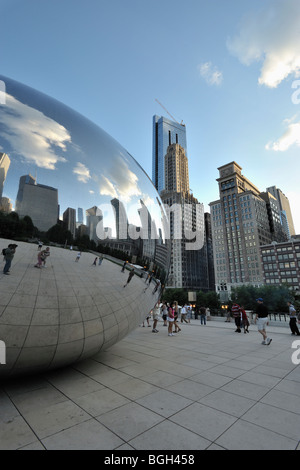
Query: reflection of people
[100,260]
[95,261]
[78,256]
[262,320]
[8,257]
[40,245]
[130,276]
[42,257]
[123,267]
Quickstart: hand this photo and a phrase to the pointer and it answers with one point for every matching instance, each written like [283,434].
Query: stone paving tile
[206,388]
[164,402]
[90,435]
[15,433]
[275,419]
[204,421]
[169,436]
[247,436]
[130,420]
[227,402]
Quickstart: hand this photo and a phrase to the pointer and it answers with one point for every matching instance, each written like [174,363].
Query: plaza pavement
[205,388]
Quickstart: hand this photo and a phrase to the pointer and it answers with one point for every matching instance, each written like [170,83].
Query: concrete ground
[205,388]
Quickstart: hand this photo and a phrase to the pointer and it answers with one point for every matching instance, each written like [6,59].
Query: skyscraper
[285,210]
[176,169]
[188,267]
[165,133]
[242,220]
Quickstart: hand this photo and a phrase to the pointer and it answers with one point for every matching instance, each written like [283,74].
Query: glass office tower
[165,133]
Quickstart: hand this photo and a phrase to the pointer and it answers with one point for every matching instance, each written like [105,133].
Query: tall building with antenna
[165,133]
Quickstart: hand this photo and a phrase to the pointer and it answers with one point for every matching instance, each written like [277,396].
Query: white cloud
[33,135]
[210,73]
[82,172]
[270,36]
[289,138]
[120,182]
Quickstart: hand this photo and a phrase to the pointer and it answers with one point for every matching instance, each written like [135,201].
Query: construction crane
[181,123]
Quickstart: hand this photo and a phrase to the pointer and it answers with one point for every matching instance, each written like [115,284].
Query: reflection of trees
[12,226]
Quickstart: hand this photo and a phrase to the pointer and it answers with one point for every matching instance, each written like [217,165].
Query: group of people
[262,319]
[170,313]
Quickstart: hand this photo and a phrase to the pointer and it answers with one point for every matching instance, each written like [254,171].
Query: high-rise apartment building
[165,133]
[176,169]
[285,210]
[38,201]
[189,264]
[242,220]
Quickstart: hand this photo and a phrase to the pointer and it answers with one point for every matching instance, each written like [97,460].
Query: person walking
[100,260]
[130,276]
[236,313]
[262,320]
[293,319]
[170,318]
[164,312]
[176,312]
[183,314]
[78,256]
[155,314]
[202,315]
[95,261]
[8,254]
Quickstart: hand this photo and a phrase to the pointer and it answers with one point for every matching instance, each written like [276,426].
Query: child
[245,321]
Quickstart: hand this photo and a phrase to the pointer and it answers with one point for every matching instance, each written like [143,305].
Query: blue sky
[226,68]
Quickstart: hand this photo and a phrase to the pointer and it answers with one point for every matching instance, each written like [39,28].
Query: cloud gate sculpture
[65,183]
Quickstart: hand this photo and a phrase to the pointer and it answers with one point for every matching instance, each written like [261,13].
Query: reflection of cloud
[82,172]
[273,37]
[210,73]
[32,134]
[119,182]
[289,138]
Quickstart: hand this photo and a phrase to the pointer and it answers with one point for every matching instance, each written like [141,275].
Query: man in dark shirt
[262,320]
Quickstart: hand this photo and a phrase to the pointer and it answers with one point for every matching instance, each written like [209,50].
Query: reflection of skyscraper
[80,215]
[4,166]
[165,133]
[93,217]
[120,219]
[69,218]
[38,201]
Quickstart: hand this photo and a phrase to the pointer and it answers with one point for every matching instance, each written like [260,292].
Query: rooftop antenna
[181,124]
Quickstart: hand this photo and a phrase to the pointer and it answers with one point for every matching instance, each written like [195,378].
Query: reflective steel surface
[66,182]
